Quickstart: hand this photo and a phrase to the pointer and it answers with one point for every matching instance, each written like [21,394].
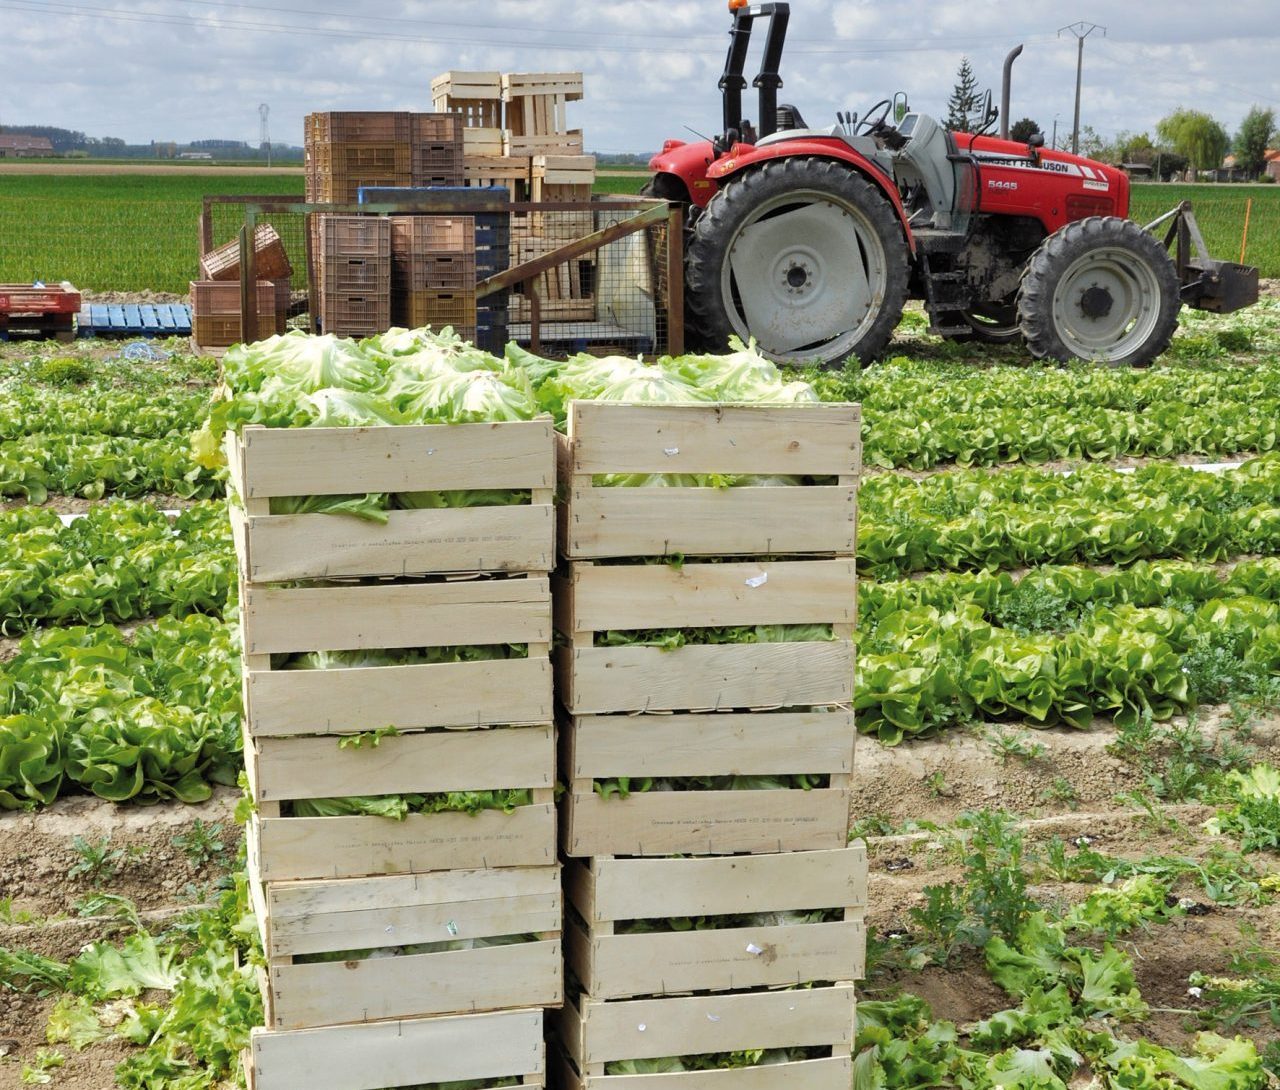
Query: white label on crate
[642,1027]
[671,452]
[451,927]
[752,948]
[758,580]
[713,1018]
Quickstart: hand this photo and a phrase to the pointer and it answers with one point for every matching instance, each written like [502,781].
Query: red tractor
[811,240]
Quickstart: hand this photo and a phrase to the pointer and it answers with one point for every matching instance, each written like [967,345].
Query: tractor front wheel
[806,256]
[1100,289]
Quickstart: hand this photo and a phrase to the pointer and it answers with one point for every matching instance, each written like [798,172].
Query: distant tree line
[72,142]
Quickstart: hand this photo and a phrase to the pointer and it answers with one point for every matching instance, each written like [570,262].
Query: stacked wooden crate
[347,150]
[433,272]
[537,120]
[764,555]
[469,904]
[475,99]
[353,273]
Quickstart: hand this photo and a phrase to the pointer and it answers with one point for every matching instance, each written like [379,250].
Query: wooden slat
[418,458]
[761,744]
[288,702]
[599,680]
[401,1053]
[470,760]
[526,974]
[815,440]
[683,1025]
[833,1073]
[636,596]
[358,913]
[634,889]
[353,847]
[294,619]
[619,966]
[671,822]
[285,548]
[607,522]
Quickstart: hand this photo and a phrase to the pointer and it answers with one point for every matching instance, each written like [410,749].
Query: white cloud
[186,69]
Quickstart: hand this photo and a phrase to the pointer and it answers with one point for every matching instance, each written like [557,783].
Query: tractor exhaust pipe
[1004,91]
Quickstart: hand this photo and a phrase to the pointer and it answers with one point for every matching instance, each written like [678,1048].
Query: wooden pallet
[657,823]
[269,462]
[297,919]
[807,441]
[555,143]
[605,891]
[593,1033]
[592,599]
[373,1055]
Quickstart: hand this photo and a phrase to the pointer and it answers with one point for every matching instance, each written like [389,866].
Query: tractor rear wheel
[1100,289]
[806,256]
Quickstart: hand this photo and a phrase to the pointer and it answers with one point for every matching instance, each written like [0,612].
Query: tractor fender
[685,164]
[743,156]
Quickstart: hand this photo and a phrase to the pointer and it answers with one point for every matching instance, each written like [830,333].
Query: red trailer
[42,309]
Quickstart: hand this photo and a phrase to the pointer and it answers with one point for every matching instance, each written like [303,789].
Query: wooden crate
[482,140]
[453,86]
[605,891]
[554,143]
[297,919]
[706,821]
[509,171]
[596,598]
[373,1055]
[566,85]
[576,170]
[268,462]
[806,441]
[593,1033]
[486,612]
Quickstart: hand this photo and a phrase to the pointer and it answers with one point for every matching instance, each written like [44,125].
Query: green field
[128,232]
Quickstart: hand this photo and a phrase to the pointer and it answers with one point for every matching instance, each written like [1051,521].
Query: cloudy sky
[188,69]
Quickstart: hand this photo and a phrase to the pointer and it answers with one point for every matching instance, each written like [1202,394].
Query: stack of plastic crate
[418,946]
[705,777]
[433,273]
[353,268]
[347,150]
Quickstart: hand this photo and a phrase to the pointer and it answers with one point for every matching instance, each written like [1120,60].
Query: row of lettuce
[155,713]
[125,560]
[102,438]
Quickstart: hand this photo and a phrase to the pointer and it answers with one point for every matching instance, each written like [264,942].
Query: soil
[78,505]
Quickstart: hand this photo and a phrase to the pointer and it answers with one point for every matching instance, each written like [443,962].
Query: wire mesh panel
[610,293]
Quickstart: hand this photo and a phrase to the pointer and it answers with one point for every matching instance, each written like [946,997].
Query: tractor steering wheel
[877,123]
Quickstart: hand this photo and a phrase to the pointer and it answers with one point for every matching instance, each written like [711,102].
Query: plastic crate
[354,236]
[356,274]
[355,315]
[270,262]
[360,126]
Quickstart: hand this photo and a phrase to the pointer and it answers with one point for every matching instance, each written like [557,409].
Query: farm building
[1272,169]
[21,146]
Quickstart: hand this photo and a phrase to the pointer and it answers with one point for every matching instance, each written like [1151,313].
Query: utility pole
[1081,30]
[265,141]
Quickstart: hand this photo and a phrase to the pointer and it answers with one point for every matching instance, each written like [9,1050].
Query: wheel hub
[800,274]
[1096,302]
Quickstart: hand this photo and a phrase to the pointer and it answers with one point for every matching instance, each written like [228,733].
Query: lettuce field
[134,232]
[1068,677]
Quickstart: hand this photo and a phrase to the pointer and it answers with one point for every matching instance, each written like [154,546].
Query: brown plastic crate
[270,261]
[356,274]
[346,158]
[360,126]
[354,236]
[221,298]
[432,234]
[436,128]
[221,330]
[434,272]
[354,315]
[345,188]
[437,309]
[439,161]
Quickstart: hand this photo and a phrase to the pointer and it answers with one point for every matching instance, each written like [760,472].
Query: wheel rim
[1106,304]
[806,275]
[994,322]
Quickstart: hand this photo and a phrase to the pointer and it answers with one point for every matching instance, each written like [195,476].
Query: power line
[238,24]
